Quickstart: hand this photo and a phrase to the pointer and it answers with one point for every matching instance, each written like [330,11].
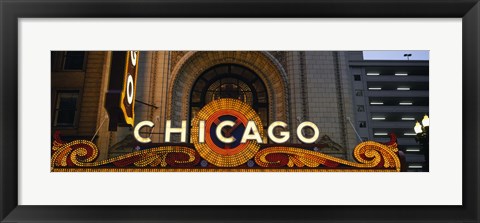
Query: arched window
[230,81]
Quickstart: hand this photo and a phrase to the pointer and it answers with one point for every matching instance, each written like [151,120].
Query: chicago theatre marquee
[238,111]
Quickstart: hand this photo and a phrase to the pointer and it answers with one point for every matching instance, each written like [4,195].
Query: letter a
[256,135]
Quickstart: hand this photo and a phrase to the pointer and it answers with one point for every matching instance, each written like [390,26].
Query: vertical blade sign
[129,86]
[120,97]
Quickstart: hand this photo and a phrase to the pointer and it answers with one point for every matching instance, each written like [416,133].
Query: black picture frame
[12,10]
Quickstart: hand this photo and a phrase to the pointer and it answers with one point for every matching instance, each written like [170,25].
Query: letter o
[302,138]
[130,89]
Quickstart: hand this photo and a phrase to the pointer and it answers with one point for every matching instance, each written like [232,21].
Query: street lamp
[407,55]
[422,137]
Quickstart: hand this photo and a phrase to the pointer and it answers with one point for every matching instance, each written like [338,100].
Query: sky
[395,54]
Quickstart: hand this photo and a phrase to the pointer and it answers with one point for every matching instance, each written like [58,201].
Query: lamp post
[407,55]
[422,137]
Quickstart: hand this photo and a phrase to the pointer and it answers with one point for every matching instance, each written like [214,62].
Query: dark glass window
[357,77]
[66,109]
[358,93]
[229,88]
[360,108]
[362,124]
[230,81]
[74,60]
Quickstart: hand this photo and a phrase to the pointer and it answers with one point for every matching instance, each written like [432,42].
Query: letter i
[201,131]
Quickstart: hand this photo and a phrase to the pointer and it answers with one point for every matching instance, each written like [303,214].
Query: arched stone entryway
[193,64]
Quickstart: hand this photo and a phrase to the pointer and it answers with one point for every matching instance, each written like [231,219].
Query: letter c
[136,131]
[219,132]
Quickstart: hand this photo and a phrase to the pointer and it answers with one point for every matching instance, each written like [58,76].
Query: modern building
[328,88]
[390,97]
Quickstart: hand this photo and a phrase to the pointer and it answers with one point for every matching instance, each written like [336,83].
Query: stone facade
[301,86]
[88,83]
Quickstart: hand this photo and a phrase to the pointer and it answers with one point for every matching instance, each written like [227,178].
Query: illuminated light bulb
[426,121]
[418,128]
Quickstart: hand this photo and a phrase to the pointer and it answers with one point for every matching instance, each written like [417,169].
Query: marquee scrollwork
[83,153]
[370,155]
[80,155]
